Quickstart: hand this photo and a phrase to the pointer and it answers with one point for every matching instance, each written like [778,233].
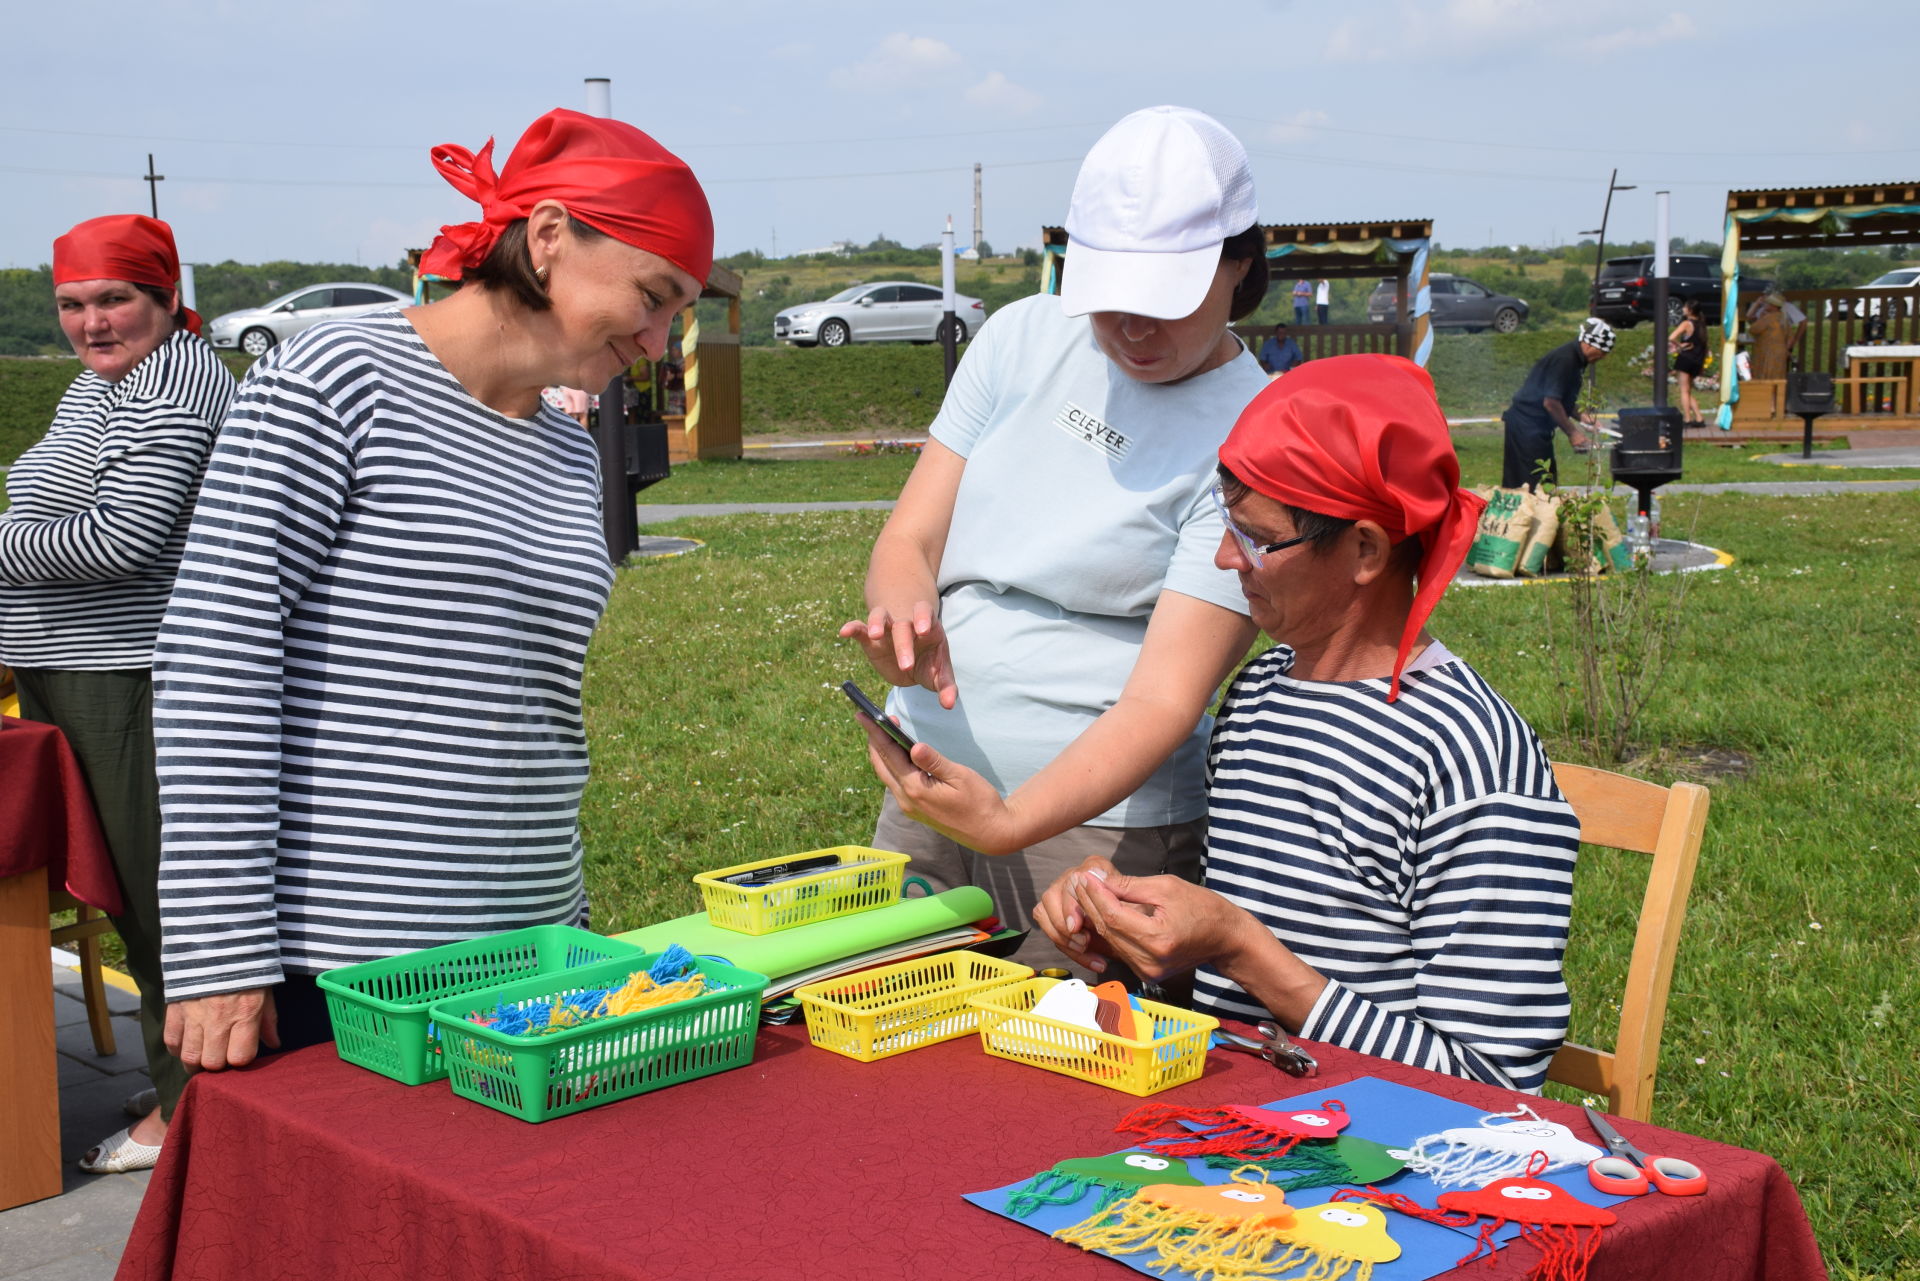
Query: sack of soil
[1546,528]
[1504,527]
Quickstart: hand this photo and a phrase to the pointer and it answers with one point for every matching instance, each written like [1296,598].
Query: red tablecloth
[47,818]
[803,1164]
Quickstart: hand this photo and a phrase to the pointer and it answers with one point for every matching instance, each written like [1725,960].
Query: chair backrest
[1668,823]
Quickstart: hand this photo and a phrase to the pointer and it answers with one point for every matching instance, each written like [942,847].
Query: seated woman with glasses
[1389,861]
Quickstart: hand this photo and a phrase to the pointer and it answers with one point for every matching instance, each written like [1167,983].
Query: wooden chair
[84,934]
[1668,823]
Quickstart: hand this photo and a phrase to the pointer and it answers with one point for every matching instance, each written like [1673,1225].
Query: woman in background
[88,552]
[1688,347]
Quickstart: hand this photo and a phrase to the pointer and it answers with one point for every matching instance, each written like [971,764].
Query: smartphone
[880,718]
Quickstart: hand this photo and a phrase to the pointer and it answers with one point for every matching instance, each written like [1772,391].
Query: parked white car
[883,311]
[1898,278]
[255,329]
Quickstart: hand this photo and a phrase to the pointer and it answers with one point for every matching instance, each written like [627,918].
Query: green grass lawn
[760,478]
[719,736]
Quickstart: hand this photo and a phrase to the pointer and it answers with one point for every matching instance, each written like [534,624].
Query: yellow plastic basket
[1175,1054]
[881,1012]
[864,879]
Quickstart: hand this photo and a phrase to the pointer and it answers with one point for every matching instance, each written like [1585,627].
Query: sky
[302,131]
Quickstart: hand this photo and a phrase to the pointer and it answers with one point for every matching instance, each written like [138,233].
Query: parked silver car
[256,329]
[883,311]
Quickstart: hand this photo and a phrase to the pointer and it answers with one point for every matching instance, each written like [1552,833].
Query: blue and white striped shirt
[99,511]
[1417,853]
[367,685]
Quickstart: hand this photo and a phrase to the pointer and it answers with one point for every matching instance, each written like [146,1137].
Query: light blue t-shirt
[1084,497]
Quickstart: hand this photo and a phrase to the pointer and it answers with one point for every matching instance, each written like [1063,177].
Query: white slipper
[119,1154]
[138,1105]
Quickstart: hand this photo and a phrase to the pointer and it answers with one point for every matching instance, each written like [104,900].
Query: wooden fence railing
[1840,318]
[1317,341]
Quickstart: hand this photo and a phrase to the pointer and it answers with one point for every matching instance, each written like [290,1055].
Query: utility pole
[978,232]
[153,181]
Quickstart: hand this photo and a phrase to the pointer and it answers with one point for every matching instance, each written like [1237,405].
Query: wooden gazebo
[1396,250]
[1878,381]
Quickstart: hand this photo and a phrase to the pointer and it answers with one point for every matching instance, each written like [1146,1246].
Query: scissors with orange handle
[1628,1171]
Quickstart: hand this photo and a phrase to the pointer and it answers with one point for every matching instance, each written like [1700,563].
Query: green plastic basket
[381,1010]
[537,1078]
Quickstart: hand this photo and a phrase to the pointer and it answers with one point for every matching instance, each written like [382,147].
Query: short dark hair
[1278,325]
[1251,245]
[508,267]
[164,297]
[1320,530]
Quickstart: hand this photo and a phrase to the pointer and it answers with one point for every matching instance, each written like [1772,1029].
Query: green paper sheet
[804,946]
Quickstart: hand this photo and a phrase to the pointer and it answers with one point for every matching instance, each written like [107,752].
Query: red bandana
[608,174]
[1363,438]
[129,247]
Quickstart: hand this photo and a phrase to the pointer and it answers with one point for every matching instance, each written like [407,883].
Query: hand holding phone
[878,717]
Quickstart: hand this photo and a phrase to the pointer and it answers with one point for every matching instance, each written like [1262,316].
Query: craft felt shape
[1347,1158]
[1498,1147]
[1221,1233]
[1562,1227]
[1116,1174]
[1334,1240]
[1252,1134]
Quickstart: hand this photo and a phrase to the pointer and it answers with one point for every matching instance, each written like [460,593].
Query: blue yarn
[675,963]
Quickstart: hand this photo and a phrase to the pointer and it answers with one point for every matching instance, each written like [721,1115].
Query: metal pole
[1600,251]
[599,96]
[948,348]
[153,181]
[1661,322]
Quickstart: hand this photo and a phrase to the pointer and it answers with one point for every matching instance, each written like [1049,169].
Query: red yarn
[1247,1133]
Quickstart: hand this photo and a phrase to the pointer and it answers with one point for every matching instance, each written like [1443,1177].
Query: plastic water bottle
[1653,516]
[1639,537]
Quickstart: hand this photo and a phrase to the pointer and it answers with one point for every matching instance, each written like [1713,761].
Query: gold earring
[540,274]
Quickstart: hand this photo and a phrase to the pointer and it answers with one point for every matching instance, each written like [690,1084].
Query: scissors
[1630,1172]
[1275,1048]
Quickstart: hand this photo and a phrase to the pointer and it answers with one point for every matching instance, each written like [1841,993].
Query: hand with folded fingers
[211,1033]
[907,646]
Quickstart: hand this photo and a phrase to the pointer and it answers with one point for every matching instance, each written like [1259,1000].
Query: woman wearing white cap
[1044,596]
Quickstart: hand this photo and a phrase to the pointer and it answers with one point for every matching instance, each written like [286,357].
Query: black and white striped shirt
[1417,853]
[99,510]
[367,684]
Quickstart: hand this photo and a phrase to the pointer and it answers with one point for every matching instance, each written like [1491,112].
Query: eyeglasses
[1254,551]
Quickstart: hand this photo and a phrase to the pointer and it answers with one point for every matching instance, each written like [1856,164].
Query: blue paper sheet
[1383,1111]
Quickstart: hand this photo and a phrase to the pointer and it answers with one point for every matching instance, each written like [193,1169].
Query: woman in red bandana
[368,679]
[88,550]
[1389,862]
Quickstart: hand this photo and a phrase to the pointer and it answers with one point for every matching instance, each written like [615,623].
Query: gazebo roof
[1337,248]
[1861,215]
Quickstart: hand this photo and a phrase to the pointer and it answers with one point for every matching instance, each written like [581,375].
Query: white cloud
[1418,28]
[1674,27]
[997,93]
[898,62]
[1297,127]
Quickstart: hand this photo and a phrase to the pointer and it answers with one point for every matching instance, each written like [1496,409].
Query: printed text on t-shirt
[1081,425]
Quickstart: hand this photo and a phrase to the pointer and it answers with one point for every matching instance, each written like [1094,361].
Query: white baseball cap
[1155,199]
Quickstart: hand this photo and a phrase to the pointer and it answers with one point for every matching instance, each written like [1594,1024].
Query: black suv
[1624,295]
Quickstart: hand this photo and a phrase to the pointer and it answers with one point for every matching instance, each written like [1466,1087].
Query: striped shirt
[99,511]
[367,684]
[1416,853]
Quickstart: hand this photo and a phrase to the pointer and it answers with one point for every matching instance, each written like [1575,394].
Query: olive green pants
[107,718]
